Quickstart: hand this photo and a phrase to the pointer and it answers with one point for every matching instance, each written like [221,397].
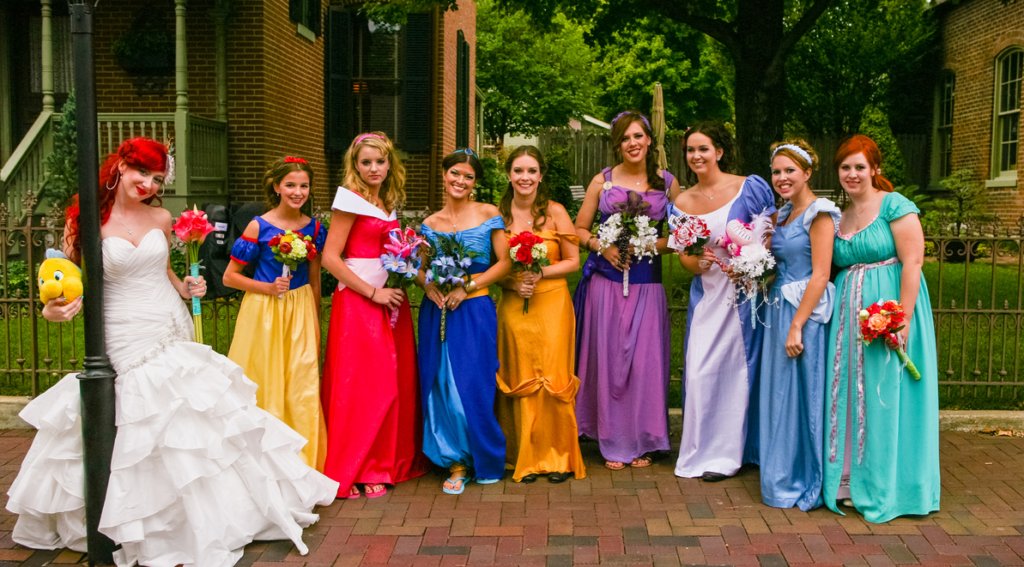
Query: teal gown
[893,443]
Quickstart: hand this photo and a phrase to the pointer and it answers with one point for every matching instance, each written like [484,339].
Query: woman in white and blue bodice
[796,315]
[458,375]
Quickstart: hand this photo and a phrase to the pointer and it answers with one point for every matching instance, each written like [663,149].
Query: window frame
[1000,177]
[945,112]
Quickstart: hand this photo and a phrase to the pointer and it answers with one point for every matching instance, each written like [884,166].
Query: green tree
[858,55]
[62,164]
[634,58]
[532,78]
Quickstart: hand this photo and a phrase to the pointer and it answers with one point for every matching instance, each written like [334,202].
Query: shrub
[62,164]
[560,178]
[962,203]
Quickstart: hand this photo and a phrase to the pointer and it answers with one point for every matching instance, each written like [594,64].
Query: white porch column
[47,56]
[181,101]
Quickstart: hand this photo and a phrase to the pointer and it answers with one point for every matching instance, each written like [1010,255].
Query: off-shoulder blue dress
[458,376]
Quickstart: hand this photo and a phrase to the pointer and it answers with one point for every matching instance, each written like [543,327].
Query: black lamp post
[97,378]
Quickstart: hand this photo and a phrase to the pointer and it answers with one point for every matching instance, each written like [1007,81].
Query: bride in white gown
[198,470]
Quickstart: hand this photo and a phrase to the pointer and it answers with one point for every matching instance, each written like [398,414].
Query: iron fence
[975,280]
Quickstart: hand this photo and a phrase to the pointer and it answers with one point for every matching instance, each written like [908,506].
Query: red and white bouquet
[688,234]
[192,229]
[749,256]
[528,255]
[402,261]
[291,248]
[884,320]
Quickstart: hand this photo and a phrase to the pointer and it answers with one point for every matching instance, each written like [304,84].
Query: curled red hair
[137,153]
[861,144]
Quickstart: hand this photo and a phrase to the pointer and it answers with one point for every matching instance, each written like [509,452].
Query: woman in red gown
[370,387]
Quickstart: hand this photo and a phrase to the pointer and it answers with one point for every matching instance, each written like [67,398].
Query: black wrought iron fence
[975,280]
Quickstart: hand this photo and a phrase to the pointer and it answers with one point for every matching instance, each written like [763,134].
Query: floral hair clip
[169,169]
[291,159]
[624,112]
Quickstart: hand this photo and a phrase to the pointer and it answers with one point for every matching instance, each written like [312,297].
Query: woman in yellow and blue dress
[277,335]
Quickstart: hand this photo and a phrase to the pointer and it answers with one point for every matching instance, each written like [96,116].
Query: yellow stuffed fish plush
[59,278]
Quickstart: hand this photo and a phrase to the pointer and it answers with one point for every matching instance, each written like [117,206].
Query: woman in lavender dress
[622,342]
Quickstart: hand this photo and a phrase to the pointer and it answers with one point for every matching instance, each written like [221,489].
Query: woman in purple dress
[622,341]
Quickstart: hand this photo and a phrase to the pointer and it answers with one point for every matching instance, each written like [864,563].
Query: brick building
[239,83]
[977,123]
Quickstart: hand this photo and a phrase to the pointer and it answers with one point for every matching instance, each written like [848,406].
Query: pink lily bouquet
[192,227]
[749,256]
[402,261]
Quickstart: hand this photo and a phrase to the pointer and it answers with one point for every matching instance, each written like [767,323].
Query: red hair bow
[291,159]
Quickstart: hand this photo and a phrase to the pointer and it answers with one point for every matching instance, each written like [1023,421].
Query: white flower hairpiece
[169,172]
[799,151]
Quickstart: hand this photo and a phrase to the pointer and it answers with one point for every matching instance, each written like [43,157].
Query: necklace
[861,211]
[529,223]
[455,216]
[713,193]
[121,222]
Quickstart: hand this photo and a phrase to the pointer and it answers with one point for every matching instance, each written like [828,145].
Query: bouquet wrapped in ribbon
[629,229]
[449,268]
[884,320]
[749,256]
[688,234]
[402,261]
[192,228]
[528,255]
[291,248]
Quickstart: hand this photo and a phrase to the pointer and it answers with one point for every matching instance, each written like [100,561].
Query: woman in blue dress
[799,306]
[723,345]
[458,375]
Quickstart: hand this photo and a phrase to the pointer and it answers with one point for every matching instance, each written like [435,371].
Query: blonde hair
[392,190]
[779,149]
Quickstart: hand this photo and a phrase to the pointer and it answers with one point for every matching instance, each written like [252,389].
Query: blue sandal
[487,480]
[461,488]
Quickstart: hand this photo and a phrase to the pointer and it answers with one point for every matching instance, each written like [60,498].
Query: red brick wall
[462,19]
[974,33]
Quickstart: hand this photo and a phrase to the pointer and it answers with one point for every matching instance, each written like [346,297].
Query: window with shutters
[1006,131]
[378,79]
[305,13]
[462,92]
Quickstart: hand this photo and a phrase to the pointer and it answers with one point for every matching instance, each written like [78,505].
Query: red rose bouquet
[291,248]
[688,234]
[528,255]
[884,320]
[192,229]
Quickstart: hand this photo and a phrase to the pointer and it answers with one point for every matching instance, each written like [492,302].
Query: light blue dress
[792,390]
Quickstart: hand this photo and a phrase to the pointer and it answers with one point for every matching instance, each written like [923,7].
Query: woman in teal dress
[881,425]
[458,376]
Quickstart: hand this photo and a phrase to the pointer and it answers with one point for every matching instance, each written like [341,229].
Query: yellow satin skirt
[276,345]
[536,405]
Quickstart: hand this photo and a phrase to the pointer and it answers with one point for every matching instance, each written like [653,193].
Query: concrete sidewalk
[638,517]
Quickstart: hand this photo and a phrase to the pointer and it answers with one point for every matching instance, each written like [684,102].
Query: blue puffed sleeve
[495,222]
[245,251]
[320,237]
[763,196]
[822,205]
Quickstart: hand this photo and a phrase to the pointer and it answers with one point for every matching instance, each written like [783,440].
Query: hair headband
[624,112]
[467,151]
[799,151]
[291,159]
[369,135]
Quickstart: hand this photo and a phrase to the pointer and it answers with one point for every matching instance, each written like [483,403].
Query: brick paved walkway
[638,517]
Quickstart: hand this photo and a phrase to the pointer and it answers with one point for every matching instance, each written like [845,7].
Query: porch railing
[205,159]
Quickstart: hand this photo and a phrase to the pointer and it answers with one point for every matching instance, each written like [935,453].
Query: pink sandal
[353,493]
[375,490]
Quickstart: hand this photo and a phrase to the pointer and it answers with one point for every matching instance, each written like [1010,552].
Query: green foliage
[145,44]
[16,275]
[684,61]
[532,79]
[876,127]
[914,194]
[963,201]
[559,178]
[62,164]
[856,56]
[493,185]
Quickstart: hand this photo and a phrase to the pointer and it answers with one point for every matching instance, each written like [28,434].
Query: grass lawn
[980,345]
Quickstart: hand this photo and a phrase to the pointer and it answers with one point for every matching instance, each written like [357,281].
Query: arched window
[1006,132]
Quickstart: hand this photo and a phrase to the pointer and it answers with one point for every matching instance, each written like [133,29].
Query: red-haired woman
[198,471]
[881,425]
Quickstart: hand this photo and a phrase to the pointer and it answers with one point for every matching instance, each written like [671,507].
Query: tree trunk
[760,88]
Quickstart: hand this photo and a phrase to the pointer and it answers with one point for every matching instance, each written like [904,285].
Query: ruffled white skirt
[198,471]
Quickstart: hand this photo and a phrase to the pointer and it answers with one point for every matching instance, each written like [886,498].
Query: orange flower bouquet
[192,229]
[884,320]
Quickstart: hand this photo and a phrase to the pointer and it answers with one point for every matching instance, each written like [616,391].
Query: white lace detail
[179,334]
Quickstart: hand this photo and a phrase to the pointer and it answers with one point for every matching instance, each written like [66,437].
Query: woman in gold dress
[536,346]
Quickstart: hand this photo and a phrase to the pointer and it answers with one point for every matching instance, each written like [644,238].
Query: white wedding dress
[198,470]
